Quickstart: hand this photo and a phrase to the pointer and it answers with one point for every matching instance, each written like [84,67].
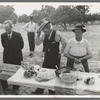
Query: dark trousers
[70,63]
[5,85]
[41,90]
[31,40]
[50,61]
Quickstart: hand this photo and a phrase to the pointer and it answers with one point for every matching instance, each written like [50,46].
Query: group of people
[76,50]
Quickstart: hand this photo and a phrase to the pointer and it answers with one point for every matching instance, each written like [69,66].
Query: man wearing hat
[31,30]
[12,43]
[78,49]
[51,40]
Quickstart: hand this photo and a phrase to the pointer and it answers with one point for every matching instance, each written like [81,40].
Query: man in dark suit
[12,43]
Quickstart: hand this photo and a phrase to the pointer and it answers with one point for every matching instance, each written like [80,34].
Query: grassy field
[92,34]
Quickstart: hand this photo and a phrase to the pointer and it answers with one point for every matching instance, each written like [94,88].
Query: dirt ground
[92,34]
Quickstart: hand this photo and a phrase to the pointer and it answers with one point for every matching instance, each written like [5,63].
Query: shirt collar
[50,34]
[78,41]
[10,34]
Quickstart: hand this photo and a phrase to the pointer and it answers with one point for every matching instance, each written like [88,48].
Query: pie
[44,75]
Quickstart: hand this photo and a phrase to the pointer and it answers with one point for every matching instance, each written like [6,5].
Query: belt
[78,56]
[31,32]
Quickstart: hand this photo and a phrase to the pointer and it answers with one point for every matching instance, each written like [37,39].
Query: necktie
[9,36]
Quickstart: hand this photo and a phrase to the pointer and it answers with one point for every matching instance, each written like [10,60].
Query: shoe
[51,92]
[14,92]
[35,93]
[38,91]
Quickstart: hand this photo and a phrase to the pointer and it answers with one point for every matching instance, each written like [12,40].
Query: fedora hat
[31,17]
[42,24]
[79,27]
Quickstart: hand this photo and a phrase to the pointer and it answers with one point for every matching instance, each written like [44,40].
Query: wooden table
[6,71]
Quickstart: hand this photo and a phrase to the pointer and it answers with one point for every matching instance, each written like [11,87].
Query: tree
[23,18]
[37,15]
[6,12]
[45,12]
[83,10]
[62,15]
[14,18]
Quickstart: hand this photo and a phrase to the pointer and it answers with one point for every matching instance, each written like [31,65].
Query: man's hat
[79,27]
[8,23]
[31,17]
[42,24]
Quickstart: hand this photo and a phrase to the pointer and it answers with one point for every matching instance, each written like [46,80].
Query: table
[6,71]
[79,88]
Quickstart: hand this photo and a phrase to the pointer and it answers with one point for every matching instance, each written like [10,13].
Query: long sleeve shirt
[30,27]
[58,38]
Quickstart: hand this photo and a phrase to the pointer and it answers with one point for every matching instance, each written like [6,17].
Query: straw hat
[79,27]
[42,24]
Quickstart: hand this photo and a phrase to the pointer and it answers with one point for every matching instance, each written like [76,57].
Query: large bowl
[68,78]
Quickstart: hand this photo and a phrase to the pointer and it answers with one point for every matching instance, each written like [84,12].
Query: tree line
[63,15]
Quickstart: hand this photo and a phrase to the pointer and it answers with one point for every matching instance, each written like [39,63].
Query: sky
[28,7]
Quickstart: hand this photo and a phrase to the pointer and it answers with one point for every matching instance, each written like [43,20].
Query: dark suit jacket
[16,46]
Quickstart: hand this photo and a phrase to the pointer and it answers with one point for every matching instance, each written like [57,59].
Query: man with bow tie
[13,44]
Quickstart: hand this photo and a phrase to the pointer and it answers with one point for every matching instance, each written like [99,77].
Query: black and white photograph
[49,49]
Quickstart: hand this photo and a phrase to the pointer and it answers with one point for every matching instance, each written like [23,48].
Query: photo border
[50,97]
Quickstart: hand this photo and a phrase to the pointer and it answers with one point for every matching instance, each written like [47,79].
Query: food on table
[90,80]
[79,78]
[29,74]
[24,64]
[45,75]
[62,70]
[39,79]
[68,78]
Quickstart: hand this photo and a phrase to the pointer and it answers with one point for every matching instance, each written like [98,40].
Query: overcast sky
[28,7]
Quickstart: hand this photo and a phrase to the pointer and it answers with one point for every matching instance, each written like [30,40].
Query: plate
[46,74]
[68,78]
[90,80]
[41,79]
[29,77]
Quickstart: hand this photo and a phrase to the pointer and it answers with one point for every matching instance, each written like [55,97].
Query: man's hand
[38,33]
[77,61]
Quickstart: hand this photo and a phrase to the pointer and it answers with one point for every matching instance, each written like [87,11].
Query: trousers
[31,40]
[70,63]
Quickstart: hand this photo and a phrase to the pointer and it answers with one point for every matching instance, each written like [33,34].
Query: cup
[25,65]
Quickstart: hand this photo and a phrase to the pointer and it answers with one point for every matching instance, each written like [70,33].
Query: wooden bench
[6,71]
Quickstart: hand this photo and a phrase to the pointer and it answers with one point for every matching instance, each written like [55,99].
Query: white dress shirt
[78,48]
[9,35]
[30,27]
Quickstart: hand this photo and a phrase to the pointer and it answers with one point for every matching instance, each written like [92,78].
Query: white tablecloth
[80,87]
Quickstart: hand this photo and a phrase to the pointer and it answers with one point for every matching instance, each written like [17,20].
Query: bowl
[68,78]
